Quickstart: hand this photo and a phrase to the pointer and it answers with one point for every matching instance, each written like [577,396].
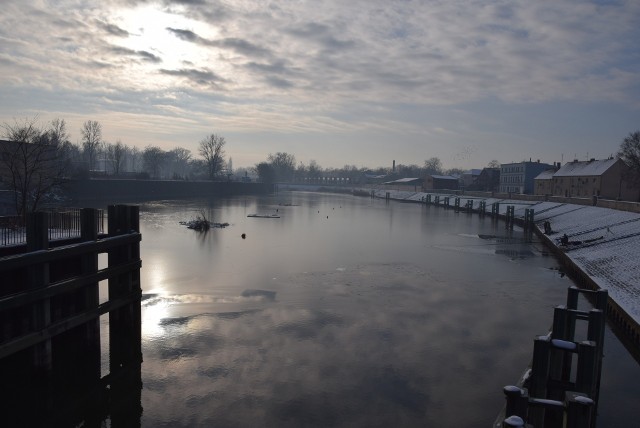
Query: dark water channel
[346,312]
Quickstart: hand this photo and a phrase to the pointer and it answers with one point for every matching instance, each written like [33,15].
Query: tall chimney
[394,165]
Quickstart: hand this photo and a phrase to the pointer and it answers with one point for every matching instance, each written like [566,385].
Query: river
[345,312]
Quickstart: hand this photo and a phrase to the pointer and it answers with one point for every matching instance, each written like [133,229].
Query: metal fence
[63,224]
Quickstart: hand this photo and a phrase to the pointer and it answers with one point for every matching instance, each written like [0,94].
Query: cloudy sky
[359,82]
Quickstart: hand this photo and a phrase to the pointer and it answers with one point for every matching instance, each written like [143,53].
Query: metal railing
[63,224]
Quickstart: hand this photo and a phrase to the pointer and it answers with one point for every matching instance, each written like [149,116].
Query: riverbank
[602,252]
[141,190]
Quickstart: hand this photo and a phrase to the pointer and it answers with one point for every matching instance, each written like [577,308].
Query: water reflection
[381,314]
[357,348]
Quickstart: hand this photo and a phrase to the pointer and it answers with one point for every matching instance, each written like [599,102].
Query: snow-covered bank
[604,243]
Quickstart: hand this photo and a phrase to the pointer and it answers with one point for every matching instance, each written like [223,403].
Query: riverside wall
[145,190]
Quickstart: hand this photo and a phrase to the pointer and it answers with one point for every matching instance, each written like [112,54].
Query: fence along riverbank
[50,349]
[602,251]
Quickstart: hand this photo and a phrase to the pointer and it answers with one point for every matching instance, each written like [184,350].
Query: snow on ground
[605,243]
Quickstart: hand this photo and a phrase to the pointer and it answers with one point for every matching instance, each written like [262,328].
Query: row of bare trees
[35,159]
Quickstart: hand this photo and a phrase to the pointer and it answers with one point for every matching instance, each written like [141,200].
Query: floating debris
[202,224]
[264,215]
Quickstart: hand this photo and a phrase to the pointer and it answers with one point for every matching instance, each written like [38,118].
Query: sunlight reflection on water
[375,316]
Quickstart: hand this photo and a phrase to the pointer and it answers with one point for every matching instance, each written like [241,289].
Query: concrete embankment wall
[159,189]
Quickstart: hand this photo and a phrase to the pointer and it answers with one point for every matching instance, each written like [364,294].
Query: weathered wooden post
[482,209]
[572,297]
[513,422]
[579,410]
[437,200]
[560,361]
[587,368]
[38,277]
[528,217]
[510,217]
[125,322]
[456,203]
[429,199]
[469,205]
[540,366]
[517,401]
[495,209]
[90,345]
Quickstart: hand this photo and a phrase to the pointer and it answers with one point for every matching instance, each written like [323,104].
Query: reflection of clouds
[392,348]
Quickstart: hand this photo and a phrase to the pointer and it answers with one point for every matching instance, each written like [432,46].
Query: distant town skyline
[360,83]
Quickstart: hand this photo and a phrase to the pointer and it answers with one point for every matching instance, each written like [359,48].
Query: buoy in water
[244,235]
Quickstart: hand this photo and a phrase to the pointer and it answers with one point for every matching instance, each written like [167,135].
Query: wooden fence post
[38,277]
[124,323]
[579,410]
[91,295]
[517,401]
[586,371]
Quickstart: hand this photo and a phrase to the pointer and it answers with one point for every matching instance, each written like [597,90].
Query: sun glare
[148,27]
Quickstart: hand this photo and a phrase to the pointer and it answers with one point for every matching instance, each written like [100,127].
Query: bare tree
[629,152]
[179,159]
[59,138]
[266,173]
[433,165]
[284,165]
[493,164]
[115,155]
[132,159]
[153,159]
[212,150]
[91,140]
[31,163]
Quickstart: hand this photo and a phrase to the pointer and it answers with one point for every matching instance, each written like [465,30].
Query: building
[440,182]
[518,177]
[608,178]
[543,183]
[487,181]
[468,178]
[407,184]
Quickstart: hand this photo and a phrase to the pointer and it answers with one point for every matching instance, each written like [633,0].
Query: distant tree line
[37,159]
[282,167]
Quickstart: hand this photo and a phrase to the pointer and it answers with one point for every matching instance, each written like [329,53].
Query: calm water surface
[346,312]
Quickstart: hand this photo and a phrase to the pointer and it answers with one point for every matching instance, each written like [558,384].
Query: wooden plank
[66,285]
[26,341]
[44,256]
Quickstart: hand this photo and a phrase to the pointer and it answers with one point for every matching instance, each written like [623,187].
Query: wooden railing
[63,224]
[50,350]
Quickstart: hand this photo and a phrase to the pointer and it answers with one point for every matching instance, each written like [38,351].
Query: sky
[358,82]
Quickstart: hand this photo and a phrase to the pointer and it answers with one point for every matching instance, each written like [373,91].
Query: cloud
[343,65]
[200,77]
[235,44]
[112,29]
[142,55]
[187,35]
